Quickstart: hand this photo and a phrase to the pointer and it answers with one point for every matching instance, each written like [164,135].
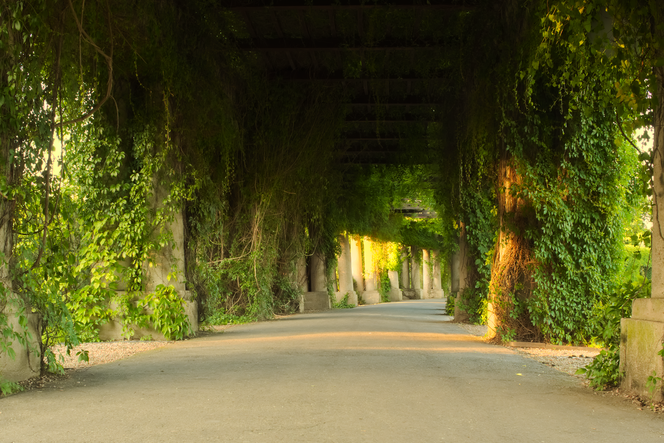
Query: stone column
[370,295]
[26,363]
[395,292]
[415,276]
[426,274]
[405,272]
[642,336]
[455,265]
[437,282]
[332,279]
[169,258]
[317,299]
[461,277]
[318,280]
[345,265]
[166,266]
[302,279]
[356,262]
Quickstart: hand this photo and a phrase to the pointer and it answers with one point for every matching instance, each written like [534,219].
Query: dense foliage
[121,122]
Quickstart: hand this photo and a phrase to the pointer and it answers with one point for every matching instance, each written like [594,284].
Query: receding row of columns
[425,279]
[358,278]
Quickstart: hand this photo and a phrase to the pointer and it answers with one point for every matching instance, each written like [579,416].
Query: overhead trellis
[397,63]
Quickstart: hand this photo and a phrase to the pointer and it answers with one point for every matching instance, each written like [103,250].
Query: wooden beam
[323,5]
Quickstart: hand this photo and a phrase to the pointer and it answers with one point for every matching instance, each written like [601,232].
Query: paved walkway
[389,373]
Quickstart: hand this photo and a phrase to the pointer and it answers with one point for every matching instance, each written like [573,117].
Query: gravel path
[104,352]
[107,352]
[568,361]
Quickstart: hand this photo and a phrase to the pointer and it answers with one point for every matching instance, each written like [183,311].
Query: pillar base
[413,294]
[395,294]
[460,316]
[112,330]
[435,293]
[352,297]
[26,363]
[314,301]
[371,297]
[640,341]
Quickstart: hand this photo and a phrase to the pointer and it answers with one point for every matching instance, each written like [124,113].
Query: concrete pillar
[318,280]
[395,292]
[370,295]
[166,267]
[302,279]
[642,335]
[26,363]
[436,290]
[427,281]
[460,315]
[316,299]
[356,262]
[415,273]
[405,272]
[345,266]
[455,265]
[332,278]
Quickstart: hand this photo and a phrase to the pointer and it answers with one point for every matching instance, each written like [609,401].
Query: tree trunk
[511,283]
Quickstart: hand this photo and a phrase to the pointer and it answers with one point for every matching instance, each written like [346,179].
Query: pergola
[395,64]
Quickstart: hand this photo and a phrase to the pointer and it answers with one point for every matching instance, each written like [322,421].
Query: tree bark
[511,282]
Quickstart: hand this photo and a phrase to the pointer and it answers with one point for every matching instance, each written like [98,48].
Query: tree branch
[619,123]
[109,62]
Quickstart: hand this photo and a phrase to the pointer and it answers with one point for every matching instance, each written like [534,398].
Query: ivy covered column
[455,264]
[346,272]
[371,295]
[18,326]
[460,279]
[164,272]
[427,281]
[642,335]
[356,263]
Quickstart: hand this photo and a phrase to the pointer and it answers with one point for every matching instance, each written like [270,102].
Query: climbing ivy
[114,128]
